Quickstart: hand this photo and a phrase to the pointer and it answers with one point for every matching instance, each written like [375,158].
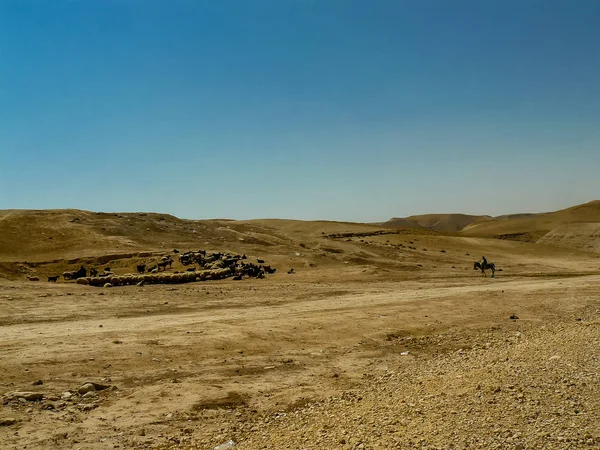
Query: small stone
[90,394]
[87,387]
[8,421]
[38,383]
[29,396]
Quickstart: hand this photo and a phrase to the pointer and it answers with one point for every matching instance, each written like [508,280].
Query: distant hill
[399,222]
[448,223]
[532,227]
[575,227]
[43,235]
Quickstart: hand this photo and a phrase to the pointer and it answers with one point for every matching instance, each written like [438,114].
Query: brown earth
[315,359]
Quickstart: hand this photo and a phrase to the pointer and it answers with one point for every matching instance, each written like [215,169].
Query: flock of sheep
[203,266]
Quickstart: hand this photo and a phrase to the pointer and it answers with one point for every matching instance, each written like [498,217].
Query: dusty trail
[396,298]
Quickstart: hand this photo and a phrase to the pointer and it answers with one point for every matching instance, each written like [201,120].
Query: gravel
[537,388]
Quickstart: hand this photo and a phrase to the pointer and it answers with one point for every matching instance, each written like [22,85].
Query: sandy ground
[195,365]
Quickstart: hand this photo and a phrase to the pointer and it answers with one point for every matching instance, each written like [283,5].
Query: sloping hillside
[445,223]
[531,227]
[449,223]
[400,222]
[582,236]
[572,227]
[41,235]
[44,235]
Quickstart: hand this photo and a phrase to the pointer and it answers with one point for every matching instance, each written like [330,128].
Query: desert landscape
[382,336]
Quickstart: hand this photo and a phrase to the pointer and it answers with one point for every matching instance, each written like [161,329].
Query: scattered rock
[229,444]
[90,394]
[37,383]
[7,421]
[87,387]
[28,396]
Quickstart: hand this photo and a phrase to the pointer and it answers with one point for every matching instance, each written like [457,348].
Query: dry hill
[575,227]
[46,242]
[448,223]
[531,227]
[39,235]
[583,236]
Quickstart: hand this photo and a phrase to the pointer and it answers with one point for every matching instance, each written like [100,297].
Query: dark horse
[484,267]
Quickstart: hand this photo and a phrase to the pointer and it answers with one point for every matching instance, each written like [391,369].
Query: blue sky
[308,109]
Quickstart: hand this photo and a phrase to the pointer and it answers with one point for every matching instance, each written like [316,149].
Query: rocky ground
[530,389]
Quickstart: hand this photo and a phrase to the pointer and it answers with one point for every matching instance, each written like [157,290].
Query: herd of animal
[237,264]
[200,266]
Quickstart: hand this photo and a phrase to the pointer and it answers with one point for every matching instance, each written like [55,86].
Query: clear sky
[308,109]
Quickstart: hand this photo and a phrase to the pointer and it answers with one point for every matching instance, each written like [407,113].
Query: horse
[484,267]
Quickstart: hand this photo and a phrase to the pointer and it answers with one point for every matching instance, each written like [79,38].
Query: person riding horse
[484,265]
